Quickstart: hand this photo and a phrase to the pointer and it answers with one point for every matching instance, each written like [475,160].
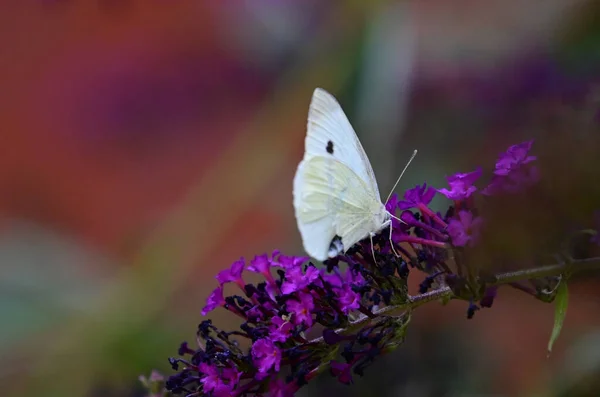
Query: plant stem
[445,293]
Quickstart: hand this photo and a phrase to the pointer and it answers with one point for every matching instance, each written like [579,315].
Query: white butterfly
[336,198]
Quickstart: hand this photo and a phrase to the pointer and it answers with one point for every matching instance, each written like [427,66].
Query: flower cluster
[302,320]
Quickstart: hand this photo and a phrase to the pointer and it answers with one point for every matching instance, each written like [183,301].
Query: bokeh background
[144,145]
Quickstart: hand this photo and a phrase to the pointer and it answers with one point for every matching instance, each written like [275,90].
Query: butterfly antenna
[400,177]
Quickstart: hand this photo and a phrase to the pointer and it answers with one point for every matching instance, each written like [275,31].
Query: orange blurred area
[110,116]
[146,145]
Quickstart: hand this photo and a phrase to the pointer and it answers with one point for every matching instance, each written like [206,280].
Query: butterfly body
[336,198]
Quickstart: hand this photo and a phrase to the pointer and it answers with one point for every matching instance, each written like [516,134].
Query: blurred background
[145,145]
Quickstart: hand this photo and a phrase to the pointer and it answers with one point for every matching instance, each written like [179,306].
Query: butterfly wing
[331,200]
[336,197]
[330,134]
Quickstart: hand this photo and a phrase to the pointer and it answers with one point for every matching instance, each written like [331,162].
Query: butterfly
[336,197]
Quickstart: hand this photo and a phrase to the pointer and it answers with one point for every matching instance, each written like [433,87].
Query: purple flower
[461,185]
[511,175]
[260,264]
[409,219]
[342,371]
[266,356]
[418,195]
[513,158]
[465,229]
[277,316]
[255,313]
[233,378]
[392,204]
[220,384]
[513,182]
[288,262]
[233,274]
[333,279]
[301,309]
[211,379]
[279,388]
[296,279]
[280,329]
[214,300]
[348,299]
[272,291]
[354,277]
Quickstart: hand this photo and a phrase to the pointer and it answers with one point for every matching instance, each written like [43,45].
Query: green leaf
[560,311]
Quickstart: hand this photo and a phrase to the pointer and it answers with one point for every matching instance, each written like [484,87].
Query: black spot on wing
[336,246]
[329,147]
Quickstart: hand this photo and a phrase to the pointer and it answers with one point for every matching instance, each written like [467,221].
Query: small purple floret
[465,229]
[461,185]
[214,300]
[301,309]
[233,274]
[513,158]
[420,194]
[342,371]
[266,356]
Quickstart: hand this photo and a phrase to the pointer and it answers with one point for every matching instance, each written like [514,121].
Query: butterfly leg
[392,243]
[373,248]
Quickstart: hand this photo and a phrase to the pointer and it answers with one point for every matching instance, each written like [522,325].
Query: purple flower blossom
[512,174]
[513,158]
[342,371]
[280,329]
[288,262]
[233,274]
[211,379]
[296,279]
[348,299]
[219,383]
[255,313]
[232,376]
[214,300]
[419,195]
[260,264]
[392,204]
[461,185]
[513,182]
[266,356]
[409,219]
[279,388]
[354,278]
[272,290]
[301,309]
[465,229]
[333,279]
[278,315]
